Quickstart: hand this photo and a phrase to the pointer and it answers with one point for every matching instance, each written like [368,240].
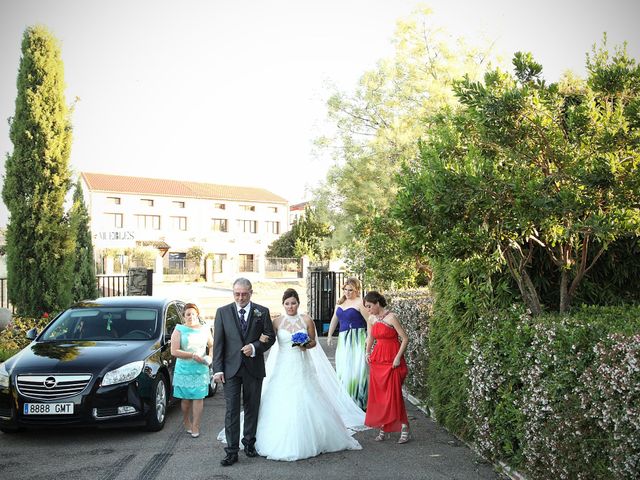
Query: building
[296,212]
[233,226]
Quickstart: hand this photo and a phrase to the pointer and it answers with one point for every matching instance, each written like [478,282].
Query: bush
[7,353]
[413,309]
[13,338]
[557,395]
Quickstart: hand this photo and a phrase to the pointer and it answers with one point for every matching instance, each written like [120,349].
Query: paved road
[171,454]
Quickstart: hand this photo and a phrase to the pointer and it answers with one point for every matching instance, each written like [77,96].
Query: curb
[500,466]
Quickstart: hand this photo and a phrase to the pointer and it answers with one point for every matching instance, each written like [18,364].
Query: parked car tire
[158,414]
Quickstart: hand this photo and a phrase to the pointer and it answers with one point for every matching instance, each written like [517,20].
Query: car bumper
[122,404]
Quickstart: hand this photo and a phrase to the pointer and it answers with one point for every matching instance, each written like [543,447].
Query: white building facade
[232,225]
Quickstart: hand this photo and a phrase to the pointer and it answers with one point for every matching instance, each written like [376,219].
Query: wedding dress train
[304,410]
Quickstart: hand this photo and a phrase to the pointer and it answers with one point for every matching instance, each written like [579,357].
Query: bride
[304,411]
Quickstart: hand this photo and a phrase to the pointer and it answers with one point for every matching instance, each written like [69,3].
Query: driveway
[171,454]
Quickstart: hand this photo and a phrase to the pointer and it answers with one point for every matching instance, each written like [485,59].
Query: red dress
[385,406]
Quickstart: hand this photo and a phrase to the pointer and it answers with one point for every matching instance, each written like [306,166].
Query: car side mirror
[32,334]
[167,337]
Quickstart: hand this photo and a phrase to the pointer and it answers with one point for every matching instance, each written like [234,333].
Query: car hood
[78,356]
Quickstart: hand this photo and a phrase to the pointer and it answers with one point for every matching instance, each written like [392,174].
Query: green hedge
[414,309]
[558,396]
[555,396]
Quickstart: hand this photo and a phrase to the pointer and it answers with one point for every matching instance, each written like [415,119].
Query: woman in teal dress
[351,366]
[189,344]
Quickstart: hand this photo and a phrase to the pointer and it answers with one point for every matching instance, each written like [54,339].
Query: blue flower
[300,339]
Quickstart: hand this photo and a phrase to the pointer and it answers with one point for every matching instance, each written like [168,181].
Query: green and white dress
[351,366]
[191,378]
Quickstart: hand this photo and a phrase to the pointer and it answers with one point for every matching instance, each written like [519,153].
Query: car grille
[106,412]
[51,387]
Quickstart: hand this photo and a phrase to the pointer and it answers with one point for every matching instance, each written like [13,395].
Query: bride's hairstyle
[375,297]
[353,282]
[289,293]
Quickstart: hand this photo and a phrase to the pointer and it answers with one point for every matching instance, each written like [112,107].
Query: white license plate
[48,409]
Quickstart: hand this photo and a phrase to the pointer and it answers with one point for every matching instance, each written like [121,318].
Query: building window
[248,208]
[113,220]
[217,262]
[219,206]
[114,200]
[179,223]
[178,204]
[148,222]
[273,227]
[272,209]
[247,226]
[147,202]
[245,263]
[177,262]
[219,224]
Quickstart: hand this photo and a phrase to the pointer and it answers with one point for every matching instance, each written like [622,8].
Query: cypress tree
[37,179]
[84,272]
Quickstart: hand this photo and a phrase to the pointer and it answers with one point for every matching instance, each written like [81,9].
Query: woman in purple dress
[351,365]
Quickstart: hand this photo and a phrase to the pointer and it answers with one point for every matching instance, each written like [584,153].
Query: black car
[101,362]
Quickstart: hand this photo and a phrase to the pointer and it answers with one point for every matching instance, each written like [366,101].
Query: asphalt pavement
[172,454]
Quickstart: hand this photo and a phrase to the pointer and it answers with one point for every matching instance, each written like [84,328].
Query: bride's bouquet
[300,339]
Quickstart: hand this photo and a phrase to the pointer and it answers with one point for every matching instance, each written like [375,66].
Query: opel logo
[50,382]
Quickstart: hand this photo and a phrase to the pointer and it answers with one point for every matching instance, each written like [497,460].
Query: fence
[182,270]
[277,267]
[324,291]
[108,286]
[112,285]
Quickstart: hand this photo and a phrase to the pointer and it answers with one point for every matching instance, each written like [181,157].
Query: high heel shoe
[382,436]
[404,434]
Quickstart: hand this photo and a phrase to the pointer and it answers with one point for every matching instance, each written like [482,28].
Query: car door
[173,317]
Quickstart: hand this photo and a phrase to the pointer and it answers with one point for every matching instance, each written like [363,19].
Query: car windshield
[103,323]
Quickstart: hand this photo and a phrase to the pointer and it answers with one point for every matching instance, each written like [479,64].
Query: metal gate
[325,290]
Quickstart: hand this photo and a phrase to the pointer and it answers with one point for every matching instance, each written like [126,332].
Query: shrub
[413,309]
[557,395]
[13,338]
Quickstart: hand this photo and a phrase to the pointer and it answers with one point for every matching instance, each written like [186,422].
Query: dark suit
[242,374]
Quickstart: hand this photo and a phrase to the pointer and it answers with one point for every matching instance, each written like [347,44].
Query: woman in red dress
[387,370]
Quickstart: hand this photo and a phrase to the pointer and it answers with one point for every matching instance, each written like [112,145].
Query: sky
[234,91]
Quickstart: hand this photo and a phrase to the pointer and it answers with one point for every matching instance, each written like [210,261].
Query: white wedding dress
[304,411]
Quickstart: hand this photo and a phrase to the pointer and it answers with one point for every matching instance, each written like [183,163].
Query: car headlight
[125,373]
[4,376]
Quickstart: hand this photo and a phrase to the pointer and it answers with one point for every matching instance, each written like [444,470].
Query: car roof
[128,301]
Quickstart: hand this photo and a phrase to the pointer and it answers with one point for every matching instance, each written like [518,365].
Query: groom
[239,363]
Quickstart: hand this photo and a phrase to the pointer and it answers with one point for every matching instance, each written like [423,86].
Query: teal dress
[191,378]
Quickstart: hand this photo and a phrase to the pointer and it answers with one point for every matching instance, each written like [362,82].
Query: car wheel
[158,413]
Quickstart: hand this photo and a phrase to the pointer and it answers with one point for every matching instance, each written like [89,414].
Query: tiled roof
[100,182]
[298,206]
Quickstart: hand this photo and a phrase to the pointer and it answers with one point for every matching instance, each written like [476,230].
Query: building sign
[125,235]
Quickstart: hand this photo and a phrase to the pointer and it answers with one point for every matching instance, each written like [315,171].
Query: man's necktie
[243,321]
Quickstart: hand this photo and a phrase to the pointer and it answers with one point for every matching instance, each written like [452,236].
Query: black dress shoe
[250,451]
[229,460]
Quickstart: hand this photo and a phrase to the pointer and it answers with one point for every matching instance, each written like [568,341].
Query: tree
[195,254]
[305,238]
[526,167]
[37,179]
[378,252]
[377,129]
[84,271]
